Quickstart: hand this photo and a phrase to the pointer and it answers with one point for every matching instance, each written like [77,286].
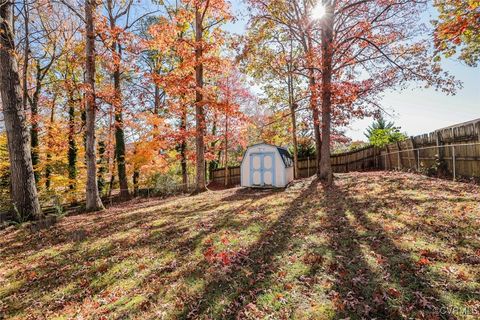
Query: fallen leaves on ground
[375,245]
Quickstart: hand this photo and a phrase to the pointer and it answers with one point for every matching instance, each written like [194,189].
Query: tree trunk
[213,164]
[120,140]
[24,192]
[135,179]
[34,119]
[183,149]
[117,105]
[112,178]
[94,203]
[72,146]
[326,173]
[48,166]
[199,112]
[102,167]
[293,116]
[226,150]
[26,53]
[313,105]
[156,97]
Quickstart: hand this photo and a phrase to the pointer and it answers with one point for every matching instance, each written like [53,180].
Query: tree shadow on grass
[250,194]
[251,272]
[98,251]
[157,228]
[390,285]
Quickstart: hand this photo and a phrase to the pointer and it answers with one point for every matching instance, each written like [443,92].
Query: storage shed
[266,165]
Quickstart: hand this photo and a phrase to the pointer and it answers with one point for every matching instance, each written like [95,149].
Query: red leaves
[423,261]
[209,255]
[223,257]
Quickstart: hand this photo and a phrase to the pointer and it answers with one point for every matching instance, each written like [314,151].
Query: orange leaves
[423,261]
[424,258]
[457,28]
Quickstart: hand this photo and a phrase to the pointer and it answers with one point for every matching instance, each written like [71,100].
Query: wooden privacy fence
[218,175]
[357,160]
[453,151]
[362,159]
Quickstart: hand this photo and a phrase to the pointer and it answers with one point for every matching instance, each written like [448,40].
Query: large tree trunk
[24,192]
[314,104]
[94,203]
[119,134]
[326,173]
[199,111]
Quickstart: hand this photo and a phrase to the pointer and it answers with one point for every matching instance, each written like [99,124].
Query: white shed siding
[289,175]
[282,175]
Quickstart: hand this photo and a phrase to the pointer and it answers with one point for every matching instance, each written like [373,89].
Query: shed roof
[284,154]
[286,157]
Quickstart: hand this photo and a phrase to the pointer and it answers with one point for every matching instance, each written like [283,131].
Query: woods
[119,95]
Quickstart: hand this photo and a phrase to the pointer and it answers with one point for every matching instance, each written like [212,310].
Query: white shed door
[267,170]
[262,169]
[256,173]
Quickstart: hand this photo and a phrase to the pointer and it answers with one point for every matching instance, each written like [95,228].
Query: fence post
[308,167]
[389,157]
[440,143]
[454,162]
[226,173]
[418,160]
[414,153]
[399,157]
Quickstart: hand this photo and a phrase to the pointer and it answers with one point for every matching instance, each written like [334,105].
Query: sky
[415,110]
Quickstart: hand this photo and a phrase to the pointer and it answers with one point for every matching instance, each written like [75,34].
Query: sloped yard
[384,245]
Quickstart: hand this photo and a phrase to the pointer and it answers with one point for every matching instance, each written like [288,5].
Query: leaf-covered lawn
[384,245]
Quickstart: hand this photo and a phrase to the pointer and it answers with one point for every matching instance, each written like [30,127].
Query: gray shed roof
[284,154]
[286,157]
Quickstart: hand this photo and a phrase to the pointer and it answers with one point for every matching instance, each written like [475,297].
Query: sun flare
[318,12]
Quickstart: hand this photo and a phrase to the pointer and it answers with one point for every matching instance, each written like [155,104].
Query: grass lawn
[375,245]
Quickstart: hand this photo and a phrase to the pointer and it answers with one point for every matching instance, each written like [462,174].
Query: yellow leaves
[4,160]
